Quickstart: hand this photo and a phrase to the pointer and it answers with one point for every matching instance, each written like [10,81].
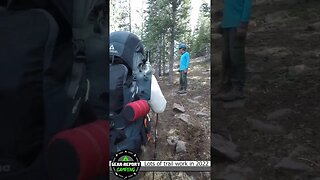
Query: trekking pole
[155,141]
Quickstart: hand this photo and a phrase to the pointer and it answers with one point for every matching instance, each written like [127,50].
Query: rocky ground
[273,133]
[184,127]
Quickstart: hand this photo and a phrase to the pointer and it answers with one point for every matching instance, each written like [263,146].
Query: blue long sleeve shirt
[235,12]
[184,61]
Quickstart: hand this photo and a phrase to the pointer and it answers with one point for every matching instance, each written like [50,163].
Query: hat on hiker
[182,46]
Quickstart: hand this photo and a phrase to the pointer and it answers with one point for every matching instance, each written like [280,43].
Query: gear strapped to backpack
[52,80]
[130,75]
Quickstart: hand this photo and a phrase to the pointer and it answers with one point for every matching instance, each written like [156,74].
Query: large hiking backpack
[129,81]
[46,88]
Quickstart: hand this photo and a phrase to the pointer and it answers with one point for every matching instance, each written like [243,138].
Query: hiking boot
[182,92]
[221,91]
[233,94]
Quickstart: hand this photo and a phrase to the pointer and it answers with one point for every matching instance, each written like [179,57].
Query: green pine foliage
[201,37]
[166,23]
[120,15]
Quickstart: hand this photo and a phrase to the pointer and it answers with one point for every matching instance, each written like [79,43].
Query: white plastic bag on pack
[157,101]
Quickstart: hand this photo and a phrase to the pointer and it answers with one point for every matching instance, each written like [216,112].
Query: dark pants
[183,81]
[233,59]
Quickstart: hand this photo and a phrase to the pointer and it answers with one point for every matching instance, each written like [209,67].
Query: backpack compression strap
[130,113]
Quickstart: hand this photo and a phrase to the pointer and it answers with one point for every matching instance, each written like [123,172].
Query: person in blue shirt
[235,18]
[183,69]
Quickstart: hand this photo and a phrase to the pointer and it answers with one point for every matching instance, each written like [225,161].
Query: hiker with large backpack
[133,90]
[52,90]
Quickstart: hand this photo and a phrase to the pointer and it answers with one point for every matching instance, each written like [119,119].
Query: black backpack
[129,81]
[45,85]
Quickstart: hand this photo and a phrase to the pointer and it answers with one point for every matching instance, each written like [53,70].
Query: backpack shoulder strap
[117,79]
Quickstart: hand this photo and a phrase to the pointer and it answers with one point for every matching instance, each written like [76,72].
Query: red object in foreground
[81,153]
[136,110]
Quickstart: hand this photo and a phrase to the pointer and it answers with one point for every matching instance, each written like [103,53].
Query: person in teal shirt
[236,16]
[183,69]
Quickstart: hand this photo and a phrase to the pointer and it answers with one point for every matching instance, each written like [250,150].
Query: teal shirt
[236,11]
[184,61]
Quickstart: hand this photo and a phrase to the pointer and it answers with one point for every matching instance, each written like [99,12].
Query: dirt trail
[280,118]
[195,132]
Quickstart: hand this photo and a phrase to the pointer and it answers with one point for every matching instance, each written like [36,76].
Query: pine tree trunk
[174,11]
[159,60]
[158,66]
[164,56]
[171,58]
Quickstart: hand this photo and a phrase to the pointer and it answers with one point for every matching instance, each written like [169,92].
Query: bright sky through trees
[137,5]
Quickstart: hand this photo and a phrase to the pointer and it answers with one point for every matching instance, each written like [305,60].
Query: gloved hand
[242,30]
